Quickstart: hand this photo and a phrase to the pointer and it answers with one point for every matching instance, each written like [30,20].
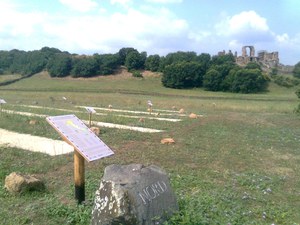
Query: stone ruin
[268,60]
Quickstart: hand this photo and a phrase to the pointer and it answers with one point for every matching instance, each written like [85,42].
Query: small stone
[167,141]
[95,130]
[33,122]
[193,116]
[181,111]
[17,183]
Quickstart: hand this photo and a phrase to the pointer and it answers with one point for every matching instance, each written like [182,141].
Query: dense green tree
[221,59]
[217,81]
[5,60]
[59,65]
[107,63]
[123,52]
[183,75]
[177,57]
[212,80]
[227,82]
[253,65]
[249,81]
[27,63]
[135,60]
[50,52]
[152,63]
[274,71]
[204,59]
[296,70]
[36,62]
[84,67]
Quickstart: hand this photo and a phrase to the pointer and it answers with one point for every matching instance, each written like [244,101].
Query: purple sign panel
[80,136]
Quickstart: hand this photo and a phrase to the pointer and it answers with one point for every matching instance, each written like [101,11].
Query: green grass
[239,164]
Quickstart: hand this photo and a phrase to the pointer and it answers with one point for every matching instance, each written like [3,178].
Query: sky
[155,26]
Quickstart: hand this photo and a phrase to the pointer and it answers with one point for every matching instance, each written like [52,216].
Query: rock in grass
[133,195]
[95,130]
[167,141]
[193,116]
[33,122]
[17,183]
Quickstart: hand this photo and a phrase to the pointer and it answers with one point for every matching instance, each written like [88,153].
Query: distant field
[238,164]
[4,78]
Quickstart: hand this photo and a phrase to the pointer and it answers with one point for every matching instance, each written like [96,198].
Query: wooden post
[79,177]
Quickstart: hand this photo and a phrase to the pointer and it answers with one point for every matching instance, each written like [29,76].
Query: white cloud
[199,36]
[284,38]
[245,27]
[164,1]
[80,5]
[110,33]
[124,3]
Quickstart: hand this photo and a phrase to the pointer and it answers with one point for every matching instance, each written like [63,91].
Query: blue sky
[154,26]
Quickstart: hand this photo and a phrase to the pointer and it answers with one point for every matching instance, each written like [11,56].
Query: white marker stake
[150,106]
[2,101]
[91,111]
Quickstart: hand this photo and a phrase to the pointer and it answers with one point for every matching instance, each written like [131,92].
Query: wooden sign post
[79,177]
[87,146]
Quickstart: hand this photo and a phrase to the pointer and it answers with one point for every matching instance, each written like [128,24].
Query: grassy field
[238,164]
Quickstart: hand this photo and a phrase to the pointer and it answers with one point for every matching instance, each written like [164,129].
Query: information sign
[2,101]
[80,137]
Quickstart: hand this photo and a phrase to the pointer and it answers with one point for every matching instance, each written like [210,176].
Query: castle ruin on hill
[267,59]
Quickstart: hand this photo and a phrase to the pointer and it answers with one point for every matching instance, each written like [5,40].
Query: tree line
[179,69]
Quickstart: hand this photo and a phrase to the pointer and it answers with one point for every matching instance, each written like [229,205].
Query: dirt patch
[34,143]
[283,171]
[120,73]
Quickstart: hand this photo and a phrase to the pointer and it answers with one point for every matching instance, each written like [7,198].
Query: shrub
[249,81]
[284,81]
[137,73]
[183,75]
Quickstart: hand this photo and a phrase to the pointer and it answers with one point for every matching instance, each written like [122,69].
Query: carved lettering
[153,191]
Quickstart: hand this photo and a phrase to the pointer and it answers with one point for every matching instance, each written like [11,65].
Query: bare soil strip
[67,110]
[136,112]
[105,114]
[119,126]
[100,124]
[152,118]
[34,143]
